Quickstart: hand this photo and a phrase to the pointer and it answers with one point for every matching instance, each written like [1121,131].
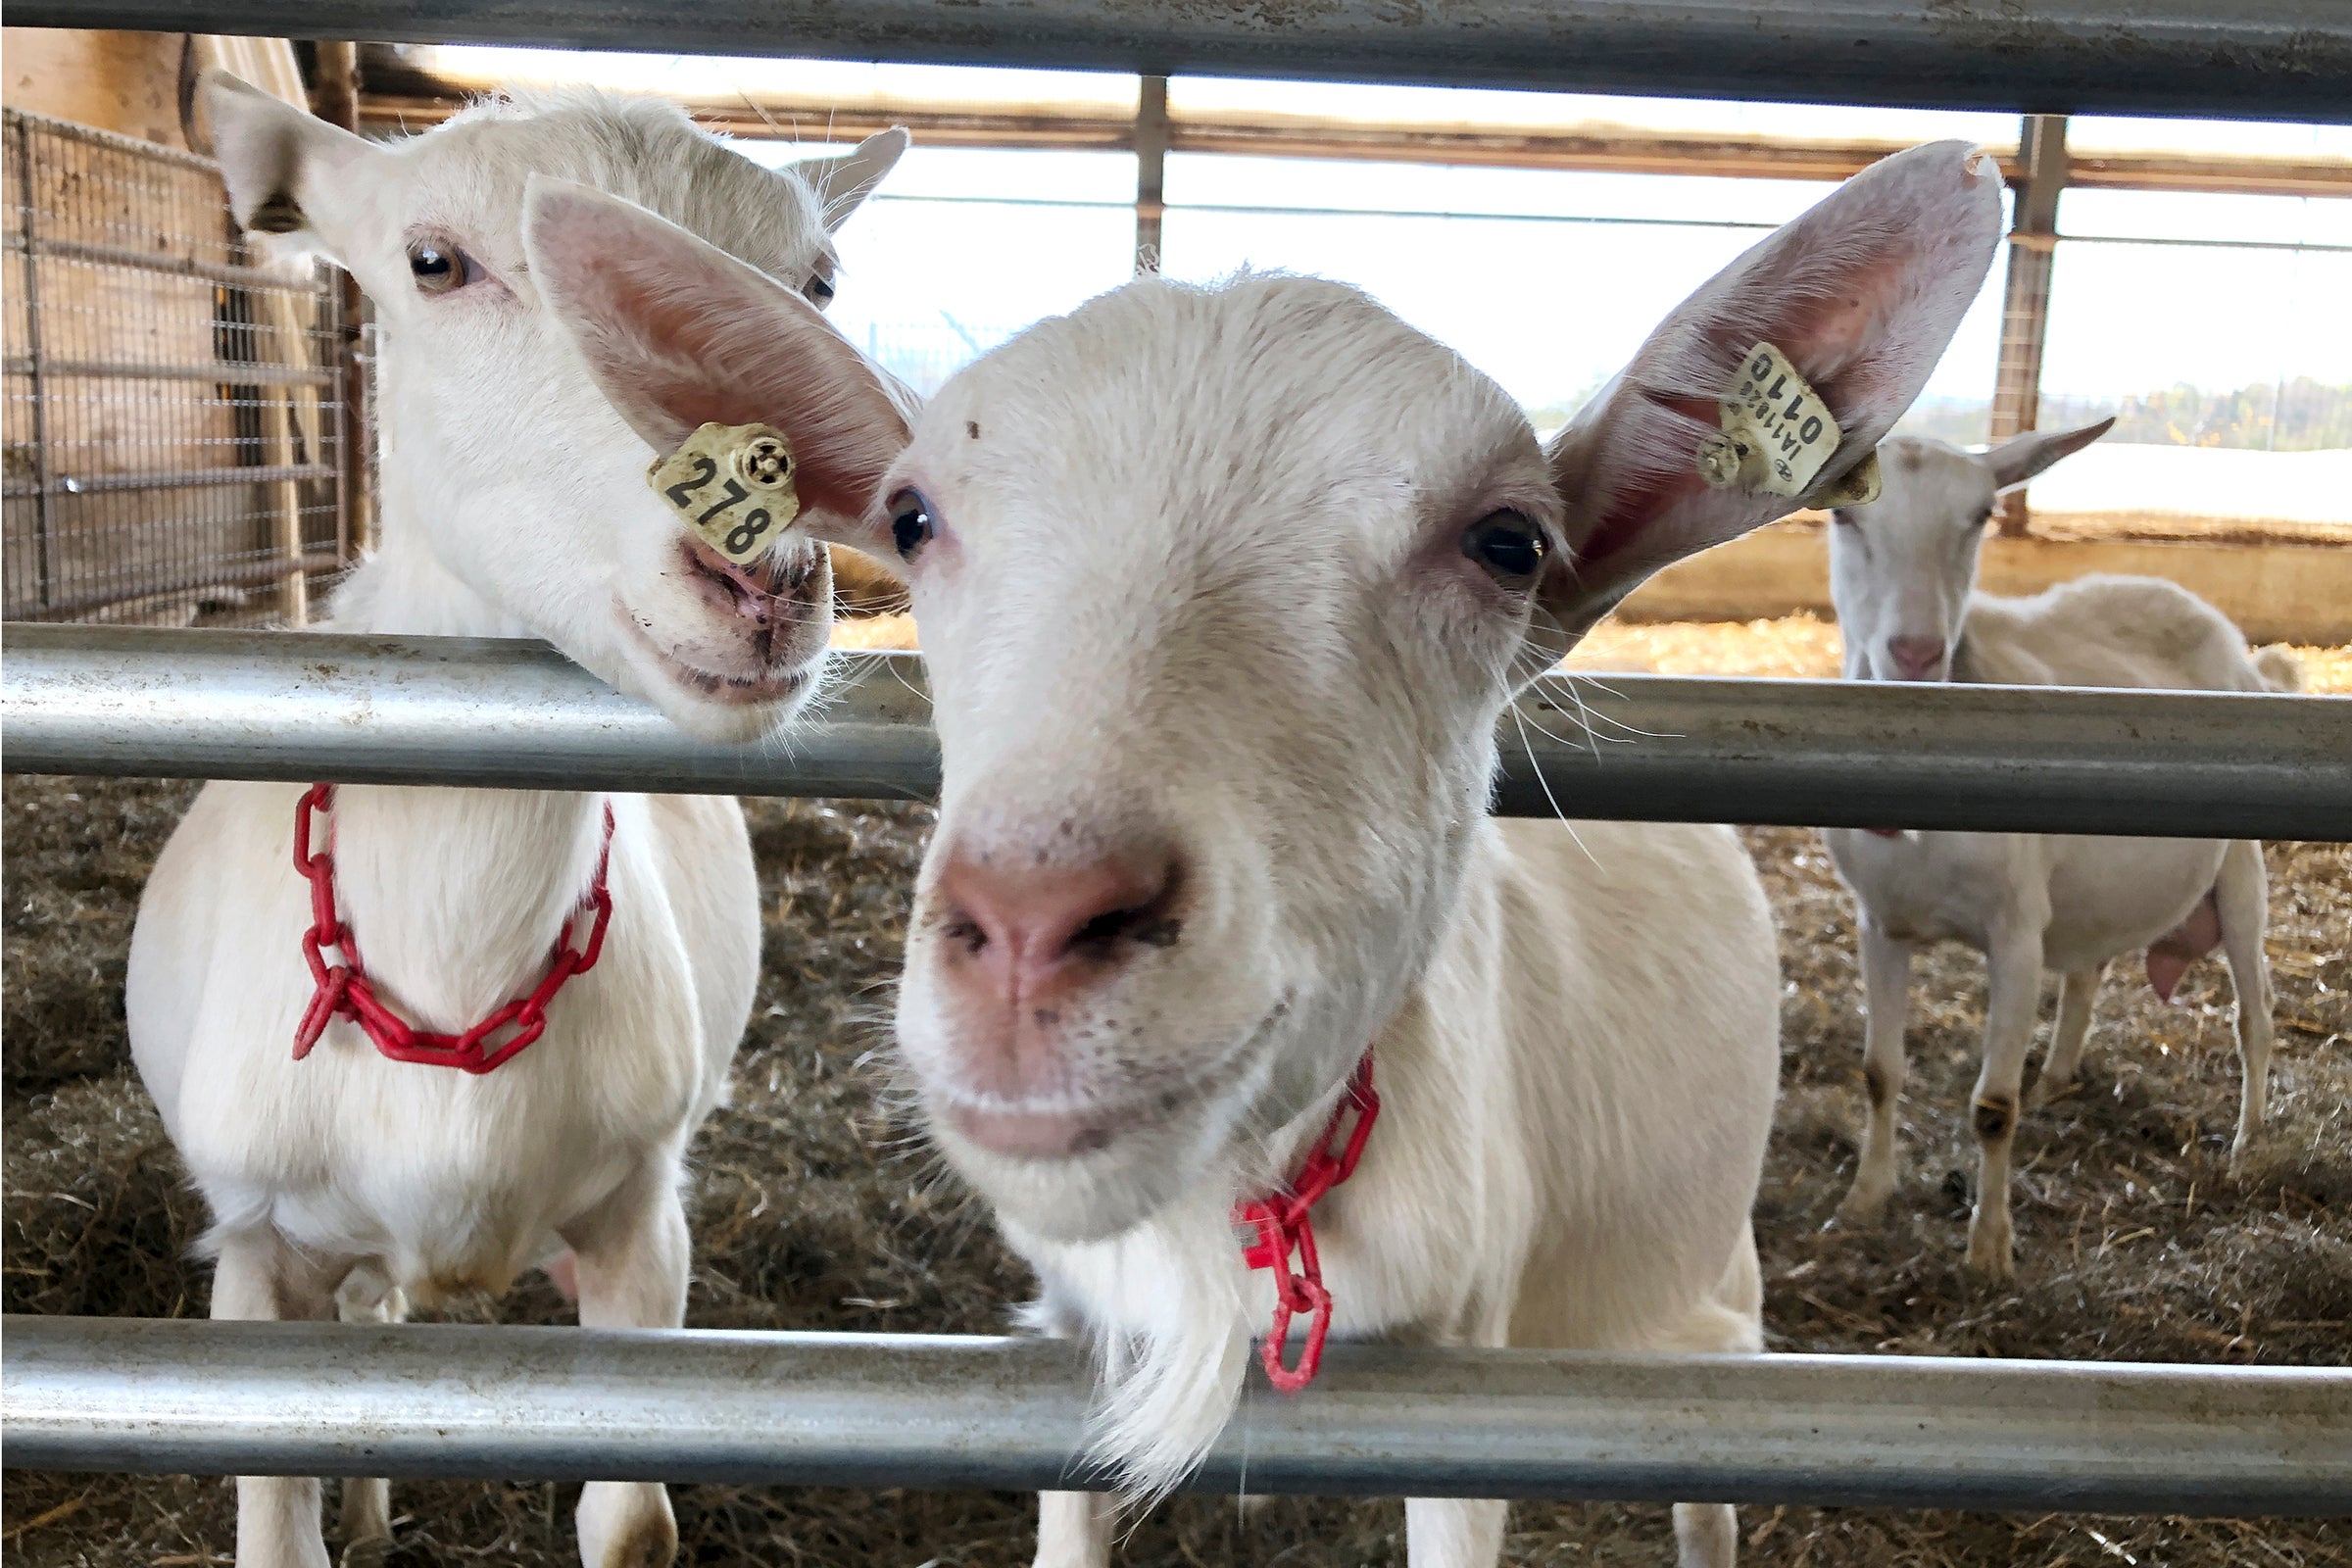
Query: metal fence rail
[455,711]
[842,1410]
[2250,58]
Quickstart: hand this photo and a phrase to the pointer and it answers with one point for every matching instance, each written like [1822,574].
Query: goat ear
[285,168]
[841,185]
[1862,293]
[2022,457]
[680,334]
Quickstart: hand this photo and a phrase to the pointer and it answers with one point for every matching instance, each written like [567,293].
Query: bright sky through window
[1545,279]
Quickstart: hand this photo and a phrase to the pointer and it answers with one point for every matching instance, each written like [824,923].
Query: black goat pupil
[909,529]
[430,260]
[1509,550]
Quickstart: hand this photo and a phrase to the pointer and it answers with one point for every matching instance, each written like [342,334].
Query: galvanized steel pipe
[455,711]
[837,1409]
[2244,59]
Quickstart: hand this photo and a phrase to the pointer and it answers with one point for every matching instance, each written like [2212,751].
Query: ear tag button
[733,485]
[1719,461]
[1778,430]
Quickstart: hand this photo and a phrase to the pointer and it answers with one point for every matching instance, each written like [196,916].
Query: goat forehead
[478,168]
[1930,483]
[1268,416]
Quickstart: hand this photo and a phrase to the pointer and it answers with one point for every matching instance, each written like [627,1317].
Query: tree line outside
[2311,416]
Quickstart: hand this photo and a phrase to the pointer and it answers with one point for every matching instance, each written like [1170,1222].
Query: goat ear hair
[2022,457]
[281,164]
[1861,293]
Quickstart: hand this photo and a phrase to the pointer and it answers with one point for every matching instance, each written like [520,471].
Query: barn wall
[126,82]
[96,532]
[2275,593]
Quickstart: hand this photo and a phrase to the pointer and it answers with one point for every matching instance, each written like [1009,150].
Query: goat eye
[1508,545]
[910,522]
[439,269]
[819,292]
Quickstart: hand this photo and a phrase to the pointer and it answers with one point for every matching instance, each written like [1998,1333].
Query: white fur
[1198,596]
[1904,567]
[513,504]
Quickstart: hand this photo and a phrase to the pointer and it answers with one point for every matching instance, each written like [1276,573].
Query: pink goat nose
[1917,658]
[1023,931]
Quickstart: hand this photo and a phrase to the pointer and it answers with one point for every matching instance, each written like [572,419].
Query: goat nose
[1917,658]
[1026,927]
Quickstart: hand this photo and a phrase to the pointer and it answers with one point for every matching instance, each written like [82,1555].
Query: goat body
[1226,590]
[347,1182]
[1902,569]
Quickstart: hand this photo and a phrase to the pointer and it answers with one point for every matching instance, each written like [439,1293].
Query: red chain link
[1285,1225]
[345,991]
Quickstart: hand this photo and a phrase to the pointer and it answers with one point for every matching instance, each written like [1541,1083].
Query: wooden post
[285,500]
[1150,162]
[335,99]
[2025,302]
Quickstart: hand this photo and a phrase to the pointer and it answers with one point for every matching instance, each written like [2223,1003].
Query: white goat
[1226,591]
[1902,573]
[515,502]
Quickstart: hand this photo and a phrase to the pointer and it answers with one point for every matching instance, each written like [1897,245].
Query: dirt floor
[813,1212]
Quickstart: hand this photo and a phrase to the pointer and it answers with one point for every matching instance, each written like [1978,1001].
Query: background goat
[1902,573]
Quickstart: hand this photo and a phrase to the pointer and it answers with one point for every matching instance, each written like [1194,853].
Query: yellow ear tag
[1777,432]
[732,484]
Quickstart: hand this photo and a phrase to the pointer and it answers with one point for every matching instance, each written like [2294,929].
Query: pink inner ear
[1832,337]
[1617,530]
[685,335]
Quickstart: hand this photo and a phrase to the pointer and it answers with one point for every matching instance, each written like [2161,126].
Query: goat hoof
[1991,1257]
[1860,1209]
[2048,1092]
[367,1551]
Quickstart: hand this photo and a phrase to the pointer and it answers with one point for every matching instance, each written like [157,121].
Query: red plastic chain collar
[345,991]
[1285,1225]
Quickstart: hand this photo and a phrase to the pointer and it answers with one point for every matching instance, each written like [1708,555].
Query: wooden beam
[2274,592]
[1593,146]
[336,100]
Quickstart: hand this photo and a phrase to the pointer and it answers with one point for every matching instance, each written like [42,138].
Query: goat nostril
[966,932]
[1110,926]
[1037,918]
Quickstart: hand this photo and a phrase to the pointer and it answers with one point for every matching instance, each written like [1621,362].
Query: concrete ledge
[2275,593]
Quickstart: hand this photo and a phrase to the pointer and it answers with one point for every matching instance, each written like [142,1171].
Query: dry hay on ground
[813,1209]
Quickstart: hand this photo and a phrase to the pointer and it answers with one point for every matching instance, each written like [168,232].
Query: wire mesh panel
[175,410]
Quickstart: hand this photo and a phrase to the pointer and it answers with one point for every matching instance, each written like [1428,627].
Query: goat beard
[1168,1387]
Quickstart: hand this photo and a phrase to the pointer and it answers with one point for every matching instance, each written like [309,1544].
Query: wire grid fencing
[177,405]
[2252,456]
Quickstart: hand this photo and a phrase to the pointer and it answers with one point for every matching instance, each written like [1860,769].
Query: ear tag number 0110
[1777,435]
[733,485]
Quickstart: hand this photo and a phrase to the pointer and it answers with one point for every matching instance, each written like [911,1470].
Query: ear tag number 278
[733,485]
